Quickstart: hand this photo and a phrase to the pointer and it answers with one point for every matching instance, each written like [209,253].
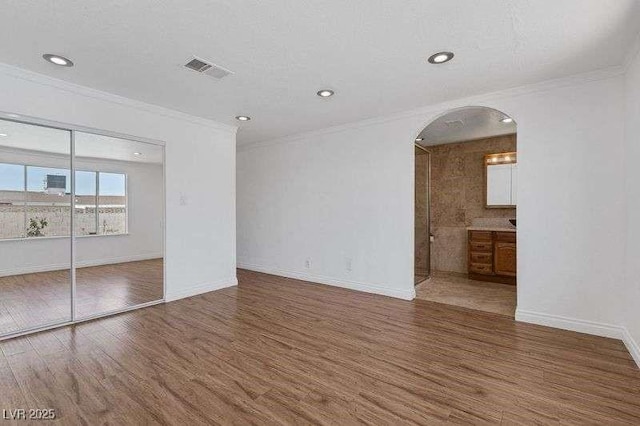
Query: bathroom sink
[512,221]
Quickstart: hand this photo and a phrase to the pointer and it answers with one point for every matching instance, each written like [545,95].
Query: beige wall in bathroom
[457,197]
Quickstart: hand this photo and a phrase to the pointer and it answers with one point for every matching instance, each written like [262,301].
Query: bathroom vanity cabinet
[492,256]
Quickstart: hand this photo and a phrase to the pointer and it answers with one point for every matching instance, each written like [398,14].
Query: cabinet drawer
[484,258]
[479,235]
[481,269]
[481,246]
[507,237]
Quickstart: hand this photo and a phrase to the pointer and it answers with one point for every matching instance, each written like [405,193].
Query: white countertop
[491,228]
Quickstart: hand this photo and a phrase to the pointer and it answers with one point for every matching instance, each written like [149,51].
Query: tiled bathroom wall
[457,197]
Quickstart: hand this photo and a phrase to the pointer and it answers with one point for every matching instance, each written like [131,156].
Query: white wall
[145,227]
[632,137]
[347,192]
[200,171]
[332,198]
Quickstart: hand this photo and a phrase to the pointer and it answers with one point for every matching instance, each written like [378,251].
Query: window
[36,202]
[12,194]
[112,201]
[48,204]
[86,219]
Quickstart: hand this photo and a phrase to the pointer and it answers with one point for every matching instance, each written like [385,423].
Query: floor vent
[210,69]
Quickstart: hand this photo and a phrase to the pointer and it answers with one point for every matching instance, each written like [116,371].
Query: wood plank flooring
[281,351]
[32,300]
[458,290]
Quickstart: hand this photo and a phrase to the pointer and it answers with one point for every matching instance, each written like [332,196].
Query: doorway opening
[465,210]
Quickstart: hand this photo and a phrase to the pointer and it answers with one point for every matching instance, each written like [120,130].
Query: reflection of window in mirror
[35,202]
[12,198]
[501,176]
[112,203]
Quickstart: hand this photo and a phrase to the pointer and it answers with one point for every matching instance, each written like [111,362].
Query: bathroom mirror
[501,177]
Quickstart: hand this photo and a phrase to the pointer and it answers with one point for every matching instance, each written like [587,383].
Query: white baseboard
[632,345]
[583,326]
[352,285]
[79,264]
[200,288]
[571,324]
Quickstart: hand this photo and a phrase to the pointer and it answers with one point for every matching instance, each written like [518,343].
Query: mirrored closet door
[81,225]
[35,227]
[118,222]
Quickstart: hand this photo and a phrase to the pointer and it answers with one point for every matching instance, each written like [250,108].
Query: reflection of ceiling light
[57,60]
[13,115]
[441,57]
[243,118]
[507,120]
[494,159]
[419,139]
[3,135]
[325,93]
[137,153]
[507,158]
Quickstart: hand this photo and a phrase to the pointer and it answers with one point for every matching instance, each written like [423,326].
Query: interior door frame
[73,129]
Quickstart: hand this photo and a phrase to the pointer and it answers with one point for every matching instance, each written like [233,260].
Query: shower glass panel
[35,227]
[119,223]
[422,253]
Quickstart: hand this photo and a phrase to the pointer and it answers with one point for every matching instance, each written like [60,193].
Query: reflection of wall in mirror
[145,202]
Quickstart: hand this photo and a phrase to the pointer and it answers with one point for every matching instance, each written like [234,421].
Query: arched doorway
[465,204]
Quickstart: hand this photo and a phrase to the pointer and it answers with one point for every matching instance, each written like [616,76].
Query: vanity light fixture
[325,93]
[502,158]
[58,60]
[507,120]
[440,58]
[243,118]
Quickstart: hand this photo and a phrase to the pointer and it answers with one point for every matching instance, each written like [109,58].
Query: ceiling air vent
[210,69]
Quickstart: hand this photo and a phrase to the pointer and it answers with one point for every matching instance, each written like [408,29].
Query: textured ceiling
[466,124]
[373,53]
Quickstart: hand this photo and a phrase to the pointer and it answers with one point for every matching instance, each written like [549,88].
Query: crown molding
[33,77]
[418,113]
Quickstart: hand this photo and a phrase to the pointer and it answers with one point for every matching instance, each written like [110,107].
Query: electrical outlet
[307,263]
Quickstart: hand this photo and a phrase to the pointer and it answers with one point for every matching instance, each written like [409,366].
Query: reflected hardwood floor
[458,290]
[280,351]
[31,300]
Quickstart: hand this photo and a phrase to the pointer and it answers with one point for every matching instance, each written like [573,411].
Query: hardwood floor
[31,300]
[281,351]
[458,290]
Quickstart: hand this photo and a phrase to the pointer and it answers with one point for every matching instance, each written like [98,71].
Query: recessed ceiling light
[243,118]
[57,60]
[325,93]
[137,154]
[419,139]
[507,120]
[441,57]
[3,135]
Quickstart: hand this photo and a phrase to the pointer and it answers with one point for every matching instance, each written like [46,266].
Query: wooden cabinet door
[504,258]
